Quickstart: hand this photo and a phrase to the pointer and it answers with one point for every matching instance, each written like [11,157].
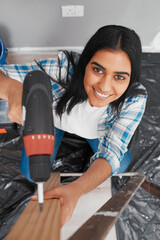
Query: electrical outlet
[73,11]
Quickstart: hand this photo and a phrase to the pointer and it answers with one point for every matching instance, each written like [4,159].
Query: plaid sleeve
[18,71]
[57,67]
[51,65]
[113,145]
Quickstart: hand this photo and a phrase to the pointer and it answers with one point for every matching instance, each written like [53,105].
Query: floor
[24,58]
[92,201]
[86,207]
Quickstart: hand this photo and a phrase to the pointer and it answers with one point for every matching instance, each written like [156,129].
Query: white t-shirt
[82,120]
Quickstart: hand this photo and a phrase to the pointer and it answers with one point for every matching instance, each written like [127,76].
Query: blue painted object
[24,166]
[2,53]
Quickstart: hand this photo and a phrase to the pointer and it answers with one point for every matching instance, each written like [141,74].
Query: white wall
[37,23]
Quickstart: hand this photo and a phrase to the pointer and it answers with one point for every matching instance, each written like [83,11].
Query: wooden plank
[101,222]
[34,224]
[151,188]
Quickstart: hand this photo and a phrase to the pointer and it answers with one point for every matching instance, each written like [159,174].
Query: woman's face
[107,76]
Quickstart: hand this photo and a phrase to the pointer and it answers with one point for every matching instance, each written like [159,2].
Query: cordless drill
[38,131]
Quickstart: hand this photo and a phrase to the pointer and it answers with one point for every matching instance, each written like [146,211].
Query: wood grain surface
[34,224]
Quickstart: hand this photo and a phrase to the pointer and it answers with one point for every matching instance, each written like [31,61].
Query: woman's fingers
[53,193]
[34,198]
[67,198]
[48,195]
[66,214]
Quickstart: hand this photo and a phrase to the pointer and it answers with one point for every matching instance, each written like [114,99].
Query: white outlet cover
[73,11]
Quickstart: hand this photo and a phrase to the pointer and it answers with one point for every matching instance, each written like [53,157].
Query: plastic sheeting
[15,190]
[141,218]
[73,156]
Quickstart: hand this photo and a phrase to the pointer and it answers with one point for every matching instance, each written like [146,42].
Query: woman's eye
[98,70]
[119,77]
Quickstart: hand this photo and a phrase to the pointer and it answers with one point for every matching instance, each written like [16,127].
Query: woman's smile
[100,95]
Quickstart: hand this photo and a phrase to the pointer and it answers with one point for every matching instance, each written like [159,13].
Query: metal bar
[127,174]
[102,221]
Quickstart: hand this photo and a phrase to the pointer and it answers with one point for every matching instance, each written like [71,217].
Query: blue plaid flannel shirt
[115,132]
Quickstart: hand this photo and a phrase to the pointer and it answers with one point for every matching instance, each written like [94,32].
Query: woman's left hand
[69,194]
[68,197]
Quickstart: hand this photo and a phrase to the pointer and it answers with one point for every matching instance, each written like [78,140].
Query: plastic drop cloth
[15,190]
[141,218]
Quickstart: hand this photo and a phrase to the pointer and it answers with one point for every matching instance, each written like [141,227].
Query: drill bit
[41,206]
[40,195]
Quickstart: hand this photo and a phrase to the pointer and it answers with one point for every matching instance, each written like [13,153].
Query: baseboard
[54,50]
[42,50]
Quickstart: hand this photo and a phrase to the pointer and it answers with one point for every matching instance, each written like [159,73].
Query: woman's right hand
[15,101]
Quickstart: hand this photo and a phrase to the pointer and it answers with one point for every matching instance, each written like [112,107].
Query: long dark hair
[108,37]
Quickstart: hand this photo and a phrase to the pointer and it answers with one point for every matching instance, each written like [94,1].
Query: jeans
[24,166]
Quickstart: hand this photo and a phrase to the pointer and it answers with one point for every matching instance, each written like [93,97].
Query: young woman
[98,97]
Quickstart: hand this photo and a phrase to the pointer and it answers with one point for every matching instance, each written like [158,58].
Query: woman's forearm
[5,83]
[97,173]
[11,91]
